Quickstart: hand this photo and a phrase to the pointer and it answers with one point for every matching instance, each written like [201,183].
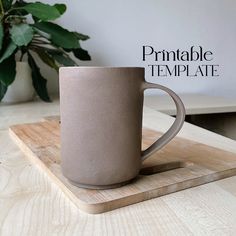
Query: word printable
[195,62]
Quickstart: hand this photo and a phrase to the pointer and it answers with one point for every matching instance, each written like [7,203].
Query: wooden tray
[180,165]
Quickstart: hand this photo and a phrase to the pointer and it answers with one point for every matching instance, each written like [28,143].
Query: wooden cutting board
[180,165]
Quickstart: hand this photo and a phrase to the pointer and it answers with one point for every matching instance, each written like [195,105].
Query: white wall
[118,29]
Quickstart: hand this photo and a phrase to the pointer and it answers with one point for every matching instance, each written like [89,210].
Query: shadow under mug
[101,124]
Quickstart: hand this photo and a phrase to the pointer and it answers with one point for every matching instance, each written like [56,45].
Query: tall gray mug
[101,124]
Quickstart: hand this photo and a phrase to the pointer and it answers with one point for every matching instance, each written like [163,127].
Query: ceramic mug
[101,124]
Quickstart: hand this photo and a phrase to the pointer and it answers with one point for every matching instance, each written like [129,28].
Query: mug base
[99,187]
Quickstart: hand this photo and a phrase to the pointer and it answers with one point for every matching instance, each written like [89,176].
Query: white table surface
[194,104]
[31,205]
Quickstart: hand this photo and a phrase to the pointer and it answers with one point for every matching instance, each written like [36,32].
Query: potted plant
[26,29]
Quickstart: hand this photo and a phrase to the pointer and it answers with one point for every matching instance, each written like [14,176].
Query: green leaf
[59,36]
[21,34]
[66,61]
[61,59]
[81,54]
[9,51]
[60,7]
[39,83]
[80,36]
[1,35]
[7,4]
[46,58]
[42,11]
[8,70]
[3,90]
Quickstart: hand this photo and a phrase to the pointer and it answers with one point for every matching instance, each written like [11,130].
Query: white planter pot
[21,90]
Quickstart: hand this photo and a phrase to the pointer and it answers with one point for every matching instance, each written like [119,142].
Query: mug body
[101,124]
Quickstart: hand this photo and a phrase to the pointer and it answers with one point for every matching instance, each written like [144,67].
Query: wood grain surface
[30,204]
[181,164]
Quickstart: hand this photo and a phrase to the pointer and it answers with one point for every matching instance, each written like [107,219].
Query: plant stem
[40,41]
[53,48]
[22,55]
[1,7]
[15,16]
[13,9]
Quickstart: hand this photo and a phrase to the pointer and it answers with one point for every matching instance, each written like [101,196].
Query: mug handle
[176,126]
